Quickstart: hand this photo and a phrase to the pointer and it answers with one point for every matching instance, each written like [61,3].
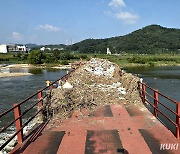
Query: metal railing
[40,96]
[144,94]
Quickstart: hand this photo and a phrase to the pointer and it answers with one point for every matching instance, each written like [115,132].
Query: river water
[167,80]
[15,89]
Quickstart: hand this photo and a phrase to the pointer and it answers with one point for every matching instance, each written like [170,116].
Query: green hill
[151,39]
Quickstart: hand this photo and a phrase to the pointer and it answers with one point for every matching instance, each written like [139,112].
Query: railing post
[156,103]
[143,92]
[17,114]
[178,120]
[40,105]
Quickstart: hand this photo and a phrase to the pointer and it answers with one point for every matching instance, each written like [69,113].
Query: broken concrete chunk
[100,67]
[122,90]
[67,85]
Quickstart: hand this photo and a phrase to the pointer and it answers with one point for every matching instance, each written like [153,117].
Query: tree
[36,57]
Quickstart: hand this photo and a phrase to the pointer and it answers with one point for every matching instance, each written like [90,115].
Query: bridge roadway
[110,129]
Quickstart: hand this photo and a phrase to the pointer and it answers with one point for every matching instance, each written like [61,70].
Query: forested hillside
[150,39]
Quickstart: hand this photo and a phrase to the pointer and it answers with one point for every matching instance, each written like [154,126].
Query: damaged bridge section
[98,109]
[98,82]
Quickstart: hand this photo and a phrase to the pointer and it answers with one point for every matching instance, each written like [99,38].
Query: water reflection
[35,71]
[164,72]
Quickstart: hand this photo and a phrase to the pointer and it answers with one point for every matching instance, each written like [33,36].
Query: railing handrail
[143,94]
[170,99]
[161,103]
[162,113]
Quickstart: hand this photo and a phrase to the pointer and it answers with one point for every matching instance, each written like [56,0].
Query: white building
[5,48]
[60,49]
[21,48]
[108,51]
[48,49]
[42,48]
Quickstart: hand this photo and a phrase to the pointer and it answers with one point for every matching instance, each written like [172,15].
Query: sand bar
[35,66]
[17,66]
[13,74]
[7,74]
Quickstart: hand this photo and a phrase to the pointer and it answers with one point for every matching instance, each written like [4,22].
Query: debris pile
[102,67]
[94,84]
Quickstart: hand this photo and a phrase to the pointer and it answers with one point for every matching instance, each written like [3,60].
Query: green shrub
[64,62]
[151,64]
[137,59]
[36,57]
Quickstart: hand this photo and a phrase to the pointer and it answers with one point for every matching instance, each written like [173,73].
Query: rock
[2,141]
[67,85]
[8,149]
[11,143]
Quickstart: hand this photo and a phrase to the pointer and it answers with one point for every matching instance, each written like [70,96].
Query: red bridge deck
[112,129]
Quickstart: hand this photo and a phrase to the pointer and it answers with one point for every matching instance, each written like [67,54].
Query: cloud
[17,36]
[48,27]
[119,10]
[127,17]
[117,3]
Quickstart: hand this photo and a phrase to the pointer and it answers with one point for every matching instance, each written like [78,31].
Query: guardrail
[40,95]
[143,88]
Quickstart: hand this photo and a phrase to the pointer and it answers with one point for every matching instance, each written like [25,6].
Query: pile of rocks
[94,84]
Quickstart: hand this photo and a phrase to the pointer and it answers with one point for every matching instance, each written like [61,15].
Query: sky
[69,21]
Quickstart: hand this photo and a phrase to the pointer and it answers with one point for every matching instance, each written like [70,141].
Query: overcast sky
[60,21]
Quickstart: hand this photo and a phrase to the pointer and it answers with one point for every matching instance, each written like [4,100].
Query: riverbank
[34,66]
[133,60]
[4,69]
[123,60]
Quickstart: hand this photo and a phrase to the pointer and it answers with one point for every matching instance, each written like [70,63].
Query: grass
[126,60]
[11,58]
[129,60]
